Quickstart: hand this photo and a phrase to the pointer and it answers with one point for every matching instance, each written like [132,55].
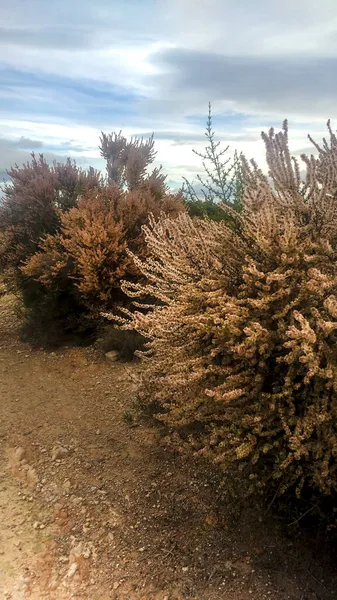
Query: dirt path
[94,506]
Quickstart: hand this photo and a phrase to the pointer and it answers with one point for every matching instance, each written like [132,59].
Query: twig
[301,517]
[318,581]
[170,551]
[131,376]
[274,497]
[212,573]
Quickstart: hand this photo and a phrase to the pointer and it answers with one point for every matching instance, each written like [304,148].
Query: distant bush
[33,199]
[87,258]
[73,272]
[206,209]
[241,361]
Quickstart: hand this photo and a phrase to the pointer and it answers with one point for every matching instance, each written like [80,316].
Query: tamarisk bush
[87,257]
[64,234]
[32,202]
[242,354]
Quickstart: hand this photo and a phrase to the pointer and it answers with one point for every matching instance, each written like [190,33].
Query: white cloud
[162,61]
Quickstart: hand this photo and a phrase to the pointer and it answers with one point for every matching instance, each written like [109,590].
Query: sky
[70,69]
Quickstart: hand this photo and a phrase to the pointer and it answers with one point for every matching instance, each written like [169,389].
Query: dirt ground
[95,506]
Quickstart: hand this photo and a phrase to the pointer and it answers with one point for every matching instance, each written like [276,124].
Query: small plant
[128,418]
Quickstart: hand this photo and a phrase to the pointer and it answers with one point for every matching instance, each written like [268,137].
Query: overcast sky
[71,68]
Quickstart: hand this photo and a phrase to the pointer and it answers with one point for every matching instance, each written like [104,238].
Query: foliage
[206,208]
[222,181]
[87,256]
[32,201]
[242,358]
[64,232]
[127,163]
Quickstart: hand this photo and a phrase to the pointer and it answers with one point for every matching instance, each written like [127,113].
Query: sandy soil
[94,505]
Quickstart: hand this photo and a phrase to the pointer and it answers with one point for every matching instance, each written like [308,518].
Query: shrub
[242,354]
[64,232]
[80,267]
[33,199]
[127,163]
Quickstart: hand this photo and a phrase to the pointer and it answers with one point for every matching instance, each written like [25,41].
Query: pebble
[72,570]
[63,559]
[59,452]
[53,584]
[19,454]
[112,356]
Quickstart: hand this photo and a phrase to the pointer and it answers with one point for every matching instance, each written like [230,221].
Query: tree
[222,181]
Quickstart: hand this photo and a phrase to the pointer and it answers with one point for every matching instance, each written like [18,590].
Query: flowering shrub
[88,253]
[64,231]
[242,355]
[32,202]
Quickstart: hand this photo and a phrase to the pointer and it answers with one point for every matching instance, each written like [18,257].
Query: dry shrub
[87,258]
[242,358]
[64,232]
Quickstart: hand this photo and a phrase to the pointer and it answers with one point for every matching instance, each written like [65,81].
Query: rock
[32,478]
[59,452]
[112,356]
[66,485]
[35,525]
[63,559]
[72,570]
[19,454]
[53,584]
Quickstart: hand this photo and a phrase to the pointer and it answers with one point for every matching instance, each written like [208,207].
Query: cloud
[181,138]
[23,142]
[50,37]
[18,151]
[252,85]
[70,69]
